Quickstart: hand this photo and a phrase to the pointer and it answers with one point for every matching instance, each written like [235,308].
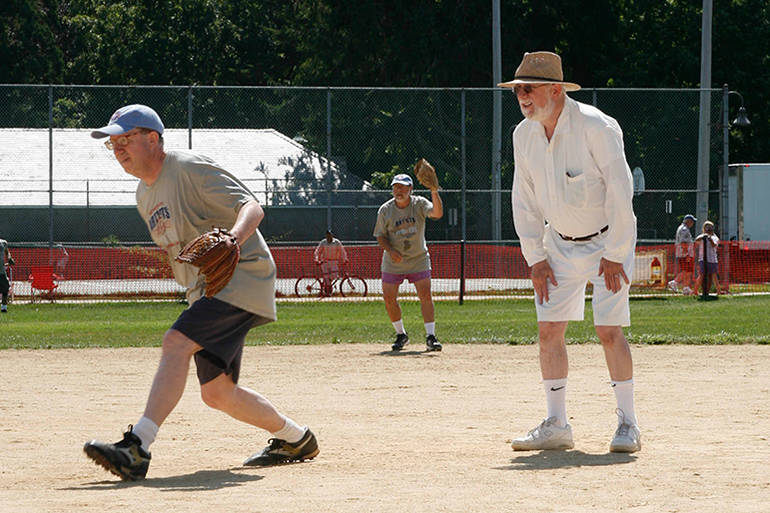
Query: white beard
[542,113]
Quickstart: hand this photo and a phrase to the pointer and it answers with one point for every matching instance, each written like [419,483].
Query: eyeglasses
[120,141]
[527,88]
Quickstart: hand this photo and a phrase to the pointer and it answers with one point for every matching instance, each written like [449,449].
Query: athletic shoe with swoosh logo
[126,459]
[545,436]
[281,451]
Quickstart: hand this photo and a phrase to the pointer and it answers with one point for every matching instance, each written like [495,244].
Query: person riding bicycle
[330,255]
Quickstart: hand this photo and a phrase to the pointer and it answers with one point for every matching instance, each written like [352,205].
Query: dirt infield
[414,432]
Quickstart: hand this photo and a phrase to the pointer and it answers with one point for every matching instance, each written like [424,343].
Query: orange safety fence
[138,272]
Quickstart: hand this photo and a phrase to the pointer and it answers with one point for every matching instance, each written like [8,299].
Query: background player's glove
[215,253]
[426,174]
[11,261]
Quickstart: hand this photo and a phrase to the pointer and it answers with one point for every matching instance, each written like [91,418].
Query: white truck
[748,202]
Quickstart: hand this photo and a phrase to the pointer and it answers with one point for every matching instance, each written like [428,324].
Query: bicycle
[348,285]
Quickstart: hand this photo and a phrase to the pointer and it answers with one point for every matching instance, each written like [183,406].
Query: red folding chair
[42,282]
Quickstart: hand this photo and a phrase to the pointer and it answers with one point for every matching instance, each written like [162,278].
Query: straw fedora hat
[540,68]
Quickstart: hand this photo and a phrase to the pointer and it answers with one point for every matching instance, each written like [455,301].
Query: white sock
[146,430]
[556,399]
[624,395]
[291,432]
[4,308]
[430,328]
[399,326]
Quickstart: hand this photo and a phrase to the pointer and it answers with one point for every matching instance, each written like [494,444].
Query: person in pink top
[330,254]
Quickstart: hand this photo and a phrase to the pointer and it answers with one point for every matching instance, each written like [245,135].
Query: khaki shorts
[575,264]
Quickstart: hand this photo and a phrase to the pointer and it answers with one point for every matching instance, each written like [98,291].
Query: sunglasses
[527,88]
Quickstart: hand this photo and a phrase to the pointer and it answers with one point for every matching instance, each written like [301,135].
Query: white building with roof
[83,172]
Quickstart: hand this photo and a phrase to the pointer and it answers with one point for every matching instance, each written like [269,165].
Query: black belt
[585,238]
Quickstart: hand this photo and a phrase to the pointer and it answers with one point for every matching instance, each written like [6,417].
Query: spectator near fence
[709,242]
[5,285]
[330,255]
[685,256]
[572,208]
[180,196]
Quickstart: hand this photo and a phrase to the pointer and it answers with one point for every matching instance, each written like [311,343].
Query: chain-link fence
[320,158]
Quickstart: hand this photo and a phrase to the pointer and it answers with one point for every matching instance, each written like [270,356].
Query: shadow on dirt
[201,480]
[544,460]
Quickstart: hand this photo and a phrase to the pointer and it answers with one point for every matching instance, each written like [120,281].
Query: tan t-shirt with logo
[405,230]
[191,195]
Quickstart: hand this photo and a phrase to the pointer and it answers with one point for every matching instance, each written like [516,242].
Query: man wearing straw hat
[572,209]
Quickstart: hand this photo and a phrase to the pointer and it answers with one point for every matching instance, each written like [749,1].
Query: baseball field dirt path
[413,432]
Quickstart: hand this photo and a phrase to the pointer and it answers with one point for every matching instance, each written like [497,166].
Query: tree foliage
[395,43]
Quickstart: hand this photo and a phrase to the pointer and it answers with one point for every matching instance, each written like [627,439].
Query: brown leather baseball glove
[215,253]
[426,174]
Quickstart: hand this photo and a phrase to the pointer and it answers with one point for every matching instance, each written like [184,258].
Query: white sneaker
[687,291]
[545,436]
[627,437]
[672,286]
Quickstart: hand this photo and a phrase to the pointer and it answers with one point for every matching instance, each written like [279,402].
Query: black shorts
[220,328]
[4,285]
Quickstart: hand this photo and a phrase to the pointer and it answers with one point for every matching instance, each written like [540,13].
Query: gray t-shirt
[684,241]
[3,249]
[405,230]
[192,194]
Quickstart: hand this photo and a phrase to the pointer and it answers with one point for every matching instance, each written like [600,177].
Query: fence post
[50,166]
[705,284]
[189,117]
[725,207]
[462,162]
[462,270]
[328,159]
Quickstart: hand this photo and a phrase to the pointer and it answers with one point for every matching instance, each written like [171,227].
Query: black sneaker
[433,344]
[281,451]
[402,340]
[126,459]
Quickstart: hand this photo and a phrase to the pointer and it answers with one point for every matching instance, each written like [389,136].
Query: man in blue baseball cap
[400,232]
[182,195]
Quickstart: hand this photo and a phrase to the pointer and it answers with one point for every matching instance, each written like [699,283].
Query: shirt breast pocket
[576,190]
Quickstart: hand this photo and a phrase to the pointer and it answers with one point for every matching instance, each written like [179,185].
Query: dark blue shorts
[220,328]
[5,286]
[713,267]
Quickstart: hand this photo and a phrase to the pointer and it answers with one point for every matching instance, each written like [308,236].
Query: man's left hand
[612,271]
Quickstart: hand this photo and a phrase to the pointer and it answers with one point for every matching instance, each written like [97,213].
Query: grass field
[730,320]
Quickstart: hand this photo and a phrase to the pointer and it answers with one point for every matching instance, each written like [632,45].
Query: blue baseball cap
[690,217]
[402,179]
[129,117]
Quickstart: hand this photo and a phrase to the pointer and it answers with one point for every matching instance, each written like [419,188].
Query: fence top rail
[340,88]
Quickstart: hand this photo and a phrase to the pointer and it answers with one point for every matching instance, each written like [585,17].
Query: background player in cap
[572,208]
[400,232]
[180,196]
[685,256]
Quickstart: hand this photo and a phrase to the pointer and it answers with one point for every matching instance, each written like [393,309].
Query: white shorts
[575,264]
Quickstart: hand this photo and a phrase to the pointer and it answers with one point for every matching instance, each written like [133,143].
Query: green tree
[28,48]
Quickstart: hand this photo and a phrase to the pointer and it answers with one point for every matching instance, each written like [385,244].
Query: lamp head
[741,120]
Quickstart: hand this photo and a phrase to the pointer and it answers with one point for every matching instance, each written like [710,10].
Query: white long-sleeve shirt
[578,182]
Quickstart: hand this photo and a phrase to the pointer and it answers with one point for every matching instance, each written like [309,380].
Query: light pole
[704,123]
[497,123]
[740,121]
